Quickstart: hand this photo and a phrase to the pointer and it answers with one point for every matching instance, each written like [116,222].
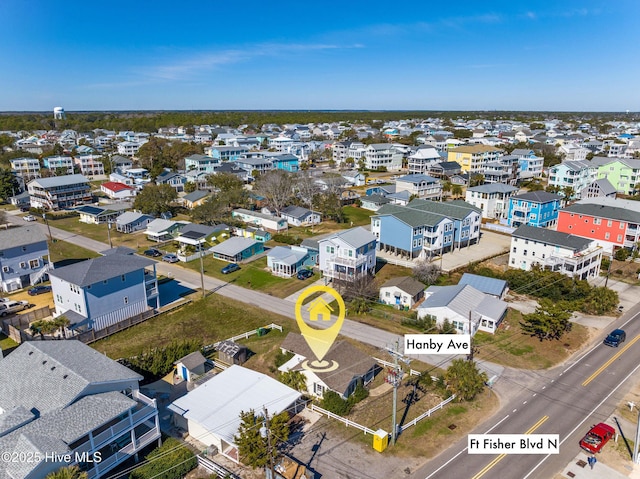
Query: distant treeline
[150,121]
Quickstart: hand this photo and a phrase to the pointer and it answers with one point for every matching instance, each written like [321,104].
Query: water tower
[58,113]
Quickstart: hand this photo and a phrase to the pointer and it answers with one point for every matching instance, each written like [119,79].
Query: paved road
[567,402]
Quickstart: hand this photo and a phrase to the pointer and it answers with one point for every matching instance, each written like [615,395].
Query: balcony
[350,262]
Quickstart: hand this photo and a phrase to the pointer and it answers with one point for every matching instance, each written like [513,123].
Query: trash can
[261,331]
[380,440]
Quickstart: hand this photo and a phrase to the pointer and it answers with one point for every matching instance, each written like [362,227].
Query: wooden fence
[15,327]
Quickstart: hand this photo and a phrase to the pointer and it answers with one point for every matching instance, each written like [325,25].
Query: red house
[117,191]
[612,223]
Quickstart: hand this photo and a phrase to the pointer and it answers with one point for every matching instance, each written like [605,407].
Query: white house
[210,413]
[382,155]
[568,254]
[118,191]
[422,186]
[261,220]
[467,309]
[348,254]
[491,198]
[422,159]
[27,168]
[299,216]
[404,291]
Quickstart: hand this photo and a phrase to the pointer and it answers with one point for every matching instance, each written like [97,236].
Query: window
[619,238]
[387,294]
[23,264]
[514,249]
[122,277]
[350,253]
[513,261]
[5,269]
[606,236]
[609,223]
[524,253]
[621,225]
[597,221]
[533,253]
[318,389]
[34,263]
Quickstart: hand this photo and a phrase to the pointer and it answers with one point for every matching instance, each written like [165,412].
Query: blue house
[227,153]
[535,208]
[23,257]
[425,228]
[286,162]
[103,291]
[286,260]
[131,221]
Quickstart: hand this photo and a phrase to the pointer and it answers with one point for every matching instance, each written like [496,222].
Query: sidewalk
[579,469]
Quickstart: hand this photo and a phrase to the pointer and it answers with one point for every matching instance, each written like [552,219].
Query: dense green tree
[190,187]
[155,199]
[549,321]
[476,180]
[252,440]
[456,191]
[172,460]
[295,380]
[8,184]
[210,212]
[464,379]
[230,192]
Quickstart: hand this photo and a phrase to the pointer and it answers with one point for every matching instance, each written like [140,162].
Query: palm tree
[446,187]
[456,190]
[71,472]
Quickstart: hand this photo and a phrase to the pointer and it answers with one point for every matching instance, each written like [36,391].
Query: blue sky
[212,55]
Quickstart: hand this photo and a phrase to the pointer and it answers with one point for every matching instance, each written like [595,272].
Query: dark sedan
[615,337]
[154,253]
[36,290]
[304,274]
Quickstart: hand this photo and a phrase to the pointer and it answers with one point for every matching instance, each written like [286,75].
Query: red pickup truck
[597,437]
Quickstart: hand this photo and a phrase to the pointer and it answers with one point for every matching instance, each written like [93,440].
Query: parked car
[154,253]
[170,258]
[615,337]
[36,290]
[597,437]
[29,218]
[11,307]
[230,268]
[304,274]
[24,209]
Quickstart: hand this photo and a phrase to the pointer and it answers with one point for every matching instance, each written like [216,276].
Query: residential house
[568,254]
[71,402]
[473,158]
[95,215]
[504,170]
[174,180]
[160,229]
[131,221]
[195,198]
[311,245]
[286,261]
[354,178]
[531,166]
[237,249]
[129,148]
[120,164]
[340,152]
[255,233]
[59,164]
[286,162]
[534,208]
[21,200]
[226,153]
[576,175]
[623,173]
[355,367]
[201,163]
[199,178]
[422,160]
[464,307]
[191,366]
[27,168]
[347,255]
[232,168]
[118,178]
[97,293]
[254,166]
[261,220]
[89,165]
[59,192]
[422,186]
[425,228]
[24,257]
[373,202]
[299,216]
[140,176]
[612,223]
[403,292]
[491,286]
[382,155]
[573,152]
[211,412]
[491,198]
[193,238]
[602,187]
[118,191]
[444,169]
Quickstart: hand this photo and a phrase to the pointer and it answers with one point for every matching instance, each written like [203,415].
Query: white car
[10,307]
[29,218]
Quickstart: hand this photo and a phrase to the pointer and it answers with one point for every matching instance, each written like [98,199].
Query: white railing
[428,413]
[346,421]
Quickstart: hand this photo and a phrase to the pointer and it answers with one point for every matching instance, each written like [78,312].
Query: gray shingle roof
[538,196]
[604,211]
[297,212]
[193,360]
[405,283]
[99,269]
[557,238]
[21,236]
[283,254]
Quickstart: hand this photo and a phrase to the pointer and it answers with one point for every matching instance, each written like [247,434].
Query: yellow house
[473,158]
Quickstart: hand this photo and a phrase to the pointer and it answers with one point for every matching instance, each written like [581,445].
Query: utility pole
[394,377]
[44,217]
[265,431]
[201,269]
[109,233]
[608,270]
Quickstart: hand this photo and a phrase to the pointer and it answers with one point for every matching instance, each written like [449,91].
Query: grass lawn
[209,320]
[61,251]
[136,241]
[512,348]
[7,344]
[253,275]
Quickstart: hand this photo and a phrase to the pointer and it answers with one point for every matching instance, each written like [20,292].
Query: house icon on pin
[319,309]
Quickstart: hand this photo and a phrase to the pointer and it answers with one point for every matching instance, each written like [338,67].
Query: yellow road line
[486,468]
[608,363]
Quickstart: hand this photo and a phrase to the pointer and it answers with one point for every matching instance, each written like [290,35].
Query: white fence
[507,230]
[428,413]
[412,372]
[196,255]
[346,421]
[245,335]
